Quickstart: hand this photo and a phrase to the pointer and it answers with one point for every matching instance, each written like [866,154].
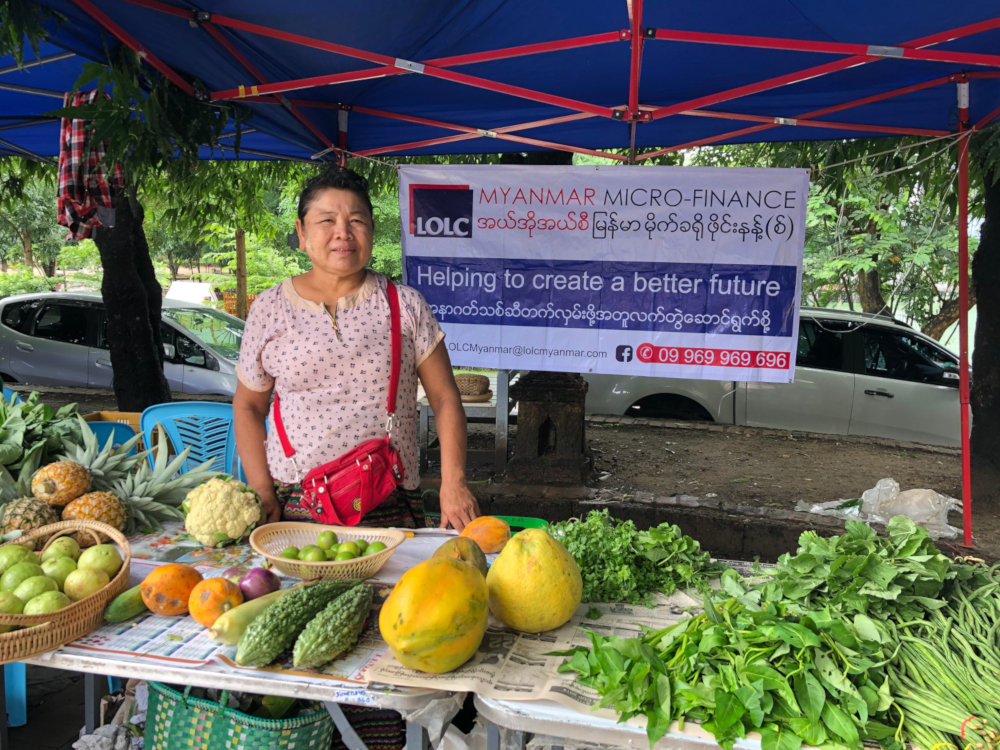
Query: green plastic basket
[176,721]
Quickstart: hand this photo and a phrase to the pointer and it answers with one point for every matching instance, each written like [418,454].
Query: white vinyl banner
[684,272]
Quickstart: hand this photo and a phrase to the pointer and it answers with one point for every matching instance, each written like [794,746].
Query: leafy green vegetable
[29,426]
[621,564]
[735,671]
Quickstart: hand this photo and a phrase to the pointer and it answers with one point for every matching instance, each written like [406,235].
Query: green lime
[362,545]
[351,547]
[373,548]
[292,553]
[327,540]
[308,547]
[345,555]
[331,554]
[312,555]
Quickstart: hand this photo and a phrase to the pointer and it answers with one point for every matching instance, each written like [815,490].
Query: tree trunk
[941,321]
[241,273]
[985,394]
[3,265]
[133,300]
[870,291]
[29,259]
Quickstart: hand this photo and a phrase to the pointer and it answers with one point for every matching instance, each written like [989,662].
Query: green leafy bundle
[820,681]
[28,428]
[901,576]
[621,564]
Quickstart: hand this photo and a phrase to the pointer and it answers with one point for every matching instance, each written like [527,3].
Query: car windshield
[218,331]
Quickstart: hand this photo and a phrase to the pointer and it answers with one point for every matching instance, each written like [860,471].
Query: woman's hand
[271,507]
[458,505]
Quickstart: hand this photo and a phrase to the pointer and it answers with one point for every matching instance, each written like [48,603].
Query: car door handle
[880,393]
[23,347]
[103,362]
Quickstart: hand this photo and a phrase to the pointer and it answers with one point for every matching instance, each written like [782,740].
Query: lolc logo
[441,211]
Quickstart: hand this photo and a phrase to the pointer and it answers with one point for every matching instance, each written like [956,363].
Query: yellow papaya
[436,616]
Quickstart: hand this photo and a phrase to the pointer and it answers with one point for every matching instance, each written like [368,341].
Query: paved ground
[55,711]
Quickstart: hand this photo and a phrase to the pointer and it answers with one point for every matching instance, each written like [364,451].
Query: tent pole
[906,52]
[963,306]
[799,118]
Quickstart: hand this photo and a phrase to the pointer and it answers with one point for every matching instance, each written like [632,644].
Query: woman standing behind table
[321,342]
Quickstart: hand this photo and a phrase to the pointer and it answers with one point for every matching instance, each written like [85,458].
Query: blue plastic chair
[11,395]
[206,427]
[122,433]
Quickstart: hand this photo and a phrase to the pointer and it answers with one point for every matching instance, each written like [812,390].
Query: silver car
[855,374]
[60,339]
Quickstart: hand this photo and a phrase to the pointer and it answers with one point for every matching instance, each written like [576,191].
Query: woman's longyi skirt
[379,729]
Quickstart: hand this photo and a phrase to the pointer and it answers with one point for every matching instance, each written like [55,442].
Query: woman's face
[337,232]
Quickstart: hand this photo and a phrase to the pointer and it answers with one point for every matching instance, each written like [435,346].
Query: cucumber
[125,606]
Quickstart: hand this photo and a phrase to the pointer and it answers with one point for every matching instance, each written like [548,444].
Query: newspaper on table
[513,666]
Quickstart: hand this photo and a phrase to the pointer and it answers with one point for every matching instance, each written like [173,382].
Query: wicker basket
[56,629]
[271,539]
[472,385]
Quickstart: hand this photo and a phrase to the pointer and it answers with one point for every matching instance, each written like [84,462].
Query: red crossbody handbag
[342,491]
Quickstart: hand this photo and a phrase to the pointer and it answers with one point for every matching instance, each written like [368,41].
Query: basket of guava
[55,594]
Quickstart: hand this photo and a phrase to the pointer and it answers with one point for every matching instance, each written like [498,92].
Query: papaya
[489,532]
[167,588]
[464,549]
[436,616]
[211,598]
[535,584]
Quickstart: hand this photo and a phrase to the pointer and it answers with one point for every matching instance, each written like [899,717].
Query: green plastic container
[523,522]
[176,721]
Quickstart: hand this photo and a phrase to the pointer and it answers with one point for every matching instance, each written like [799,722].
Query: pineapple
[148,496]
[26,514]
[105,507]
[60,482]
[106,465]
[18,491]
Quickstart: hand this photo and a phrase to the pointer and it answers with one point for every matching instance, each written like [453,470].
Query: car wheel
[8,378]
[669,406]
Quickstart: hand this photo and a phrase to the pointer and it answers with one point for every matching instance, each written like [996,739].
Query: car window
[18,315]
[941,358]
[218,331]
[65,323]
[892,355]
[188,352]
[820,347]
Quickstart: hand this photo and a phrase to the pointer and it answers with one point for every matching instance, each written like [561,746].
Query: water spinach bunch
[818,681]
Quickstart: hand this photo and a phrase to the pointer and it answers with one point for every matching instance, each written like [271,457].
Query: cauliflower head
[221,511]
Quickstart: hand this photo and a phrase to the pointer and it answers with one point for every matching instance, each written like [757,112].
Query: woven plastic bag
[176,721]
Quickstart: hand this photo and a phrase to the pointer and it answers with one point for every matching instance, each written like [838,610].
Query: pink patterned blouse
[331,371]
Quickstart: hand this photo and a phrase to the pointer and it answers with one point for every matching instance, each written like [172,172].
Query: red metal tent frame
[633,112]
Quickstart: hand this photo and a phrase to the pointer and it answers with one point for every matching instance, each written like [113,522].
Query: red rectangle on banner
[682,355]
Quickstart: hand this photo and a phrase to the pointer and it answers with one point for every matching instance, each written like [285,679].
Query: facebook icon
[623,353]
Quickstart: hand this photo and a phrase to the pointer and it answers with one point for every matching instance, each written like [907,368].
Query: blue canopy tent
[419,77]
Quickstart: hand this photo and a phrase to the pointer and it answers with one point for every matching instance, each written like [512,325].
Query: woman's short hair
[334,178]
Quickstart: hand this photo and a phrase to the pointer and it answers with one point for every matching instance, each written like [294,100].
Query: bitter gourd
[334,630]
[280,624]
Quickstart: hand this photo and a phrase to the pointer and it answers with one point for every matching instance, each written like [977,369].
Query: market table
[330,692]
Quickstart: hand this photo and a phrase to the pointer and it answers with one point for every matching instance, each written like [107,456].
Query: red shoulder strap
[396,344]
[396,339]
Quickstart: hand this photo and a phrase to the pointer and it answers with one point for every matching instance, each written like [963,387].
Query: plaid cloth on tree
[84,186]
